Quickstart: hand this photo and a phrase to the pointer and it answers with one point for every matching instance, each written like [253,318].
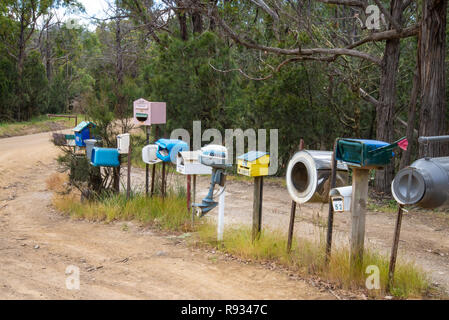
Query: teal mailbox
[367,153]
[105,157]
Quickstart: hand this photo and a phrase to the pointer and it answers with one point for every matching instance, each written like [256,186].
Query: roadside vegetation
[35,125]
[306,258]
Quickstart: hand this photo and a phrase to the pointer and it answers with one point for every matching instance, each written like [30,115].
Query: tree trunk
[433,79]
[387,92]
[181,13]
[197,21]
[406,155]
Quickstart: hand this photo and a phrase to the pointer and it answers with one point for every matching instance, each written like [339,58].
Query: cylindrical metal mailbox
[425,183]
[308,176]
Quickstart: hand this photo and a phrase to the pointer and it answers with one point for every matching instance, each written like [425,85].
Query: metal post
[291,226]
[257,207]
[193,200]
[220,224]
[163,180]
[330,217]
[189,192]
[128,187]
[147,166]
[153,171]
[394,250]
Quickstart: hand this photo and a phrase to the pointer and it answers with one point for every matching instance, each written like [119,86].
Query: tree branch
[298,51]
[388,15]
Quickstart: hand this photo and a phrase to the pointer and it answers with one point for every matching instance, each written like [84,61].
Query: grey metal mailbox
[425,183]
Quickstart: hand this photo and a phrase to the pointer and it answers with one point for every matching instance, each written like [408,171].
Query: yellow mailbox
[253,164]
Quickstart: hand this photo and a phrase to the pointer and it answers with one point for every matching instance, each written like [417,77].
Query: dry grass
[308,258]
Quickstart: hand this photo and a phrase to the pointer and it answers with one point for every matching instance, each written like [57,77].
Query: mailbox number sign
[338,204]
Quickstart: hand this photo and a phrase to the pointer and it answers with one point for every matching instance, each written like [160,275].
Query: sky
[93,8]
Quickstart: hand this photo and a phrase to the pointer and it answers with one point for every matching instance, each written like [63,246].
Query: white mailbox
[341,198]
[188,163]
[123,143]
[149,154]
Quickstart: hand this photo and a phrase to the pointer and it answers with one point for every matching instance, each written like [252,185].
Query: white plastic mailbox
[149,154]
[341,198]
[188,164]
[123,143]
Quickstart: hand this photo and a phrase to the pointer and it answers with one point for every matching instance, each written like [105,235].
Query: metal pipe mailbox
[308,175]
[425,183]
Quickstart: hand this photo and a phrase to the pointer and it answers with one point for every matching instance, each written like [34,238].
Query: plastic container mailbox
[168,149]
[90,144]
[105,157]
[149,154]
[364,153]
[123,143]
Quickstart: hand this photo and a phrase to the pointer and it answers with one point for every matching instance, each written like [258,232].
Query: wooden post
[360,180]
[128,186]
[257,207]
[394,250]
[147,166]
[291,226]
[330,216]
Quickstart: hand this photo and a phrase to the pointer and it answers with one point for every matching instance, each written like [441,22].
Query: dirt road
[38,244]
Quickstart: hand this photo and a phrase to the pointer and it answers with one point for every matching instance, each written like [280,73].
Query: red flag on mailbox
[403,144]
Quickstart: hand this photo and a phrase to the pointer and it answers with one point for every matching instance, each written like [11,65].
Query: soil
[37,245]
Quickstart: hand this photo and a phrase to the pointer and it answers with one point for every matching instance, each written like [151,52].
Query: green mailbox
[367,153]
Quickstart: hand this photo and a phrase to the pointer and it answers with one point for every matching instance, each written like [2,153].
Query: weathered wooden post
[257,207]
[360,181]
[255,164]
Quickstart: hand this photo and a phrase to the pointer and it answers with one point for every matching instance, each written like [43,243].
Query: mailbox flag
[403,144]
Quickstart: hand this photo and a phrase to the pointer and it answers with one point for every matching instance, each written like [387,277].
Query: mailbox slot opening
[300,177]
[142,117]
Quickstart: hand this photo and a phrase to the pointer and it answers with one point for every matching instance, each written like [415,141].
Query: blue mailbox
[168,149]
[82,132]
[105,157]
